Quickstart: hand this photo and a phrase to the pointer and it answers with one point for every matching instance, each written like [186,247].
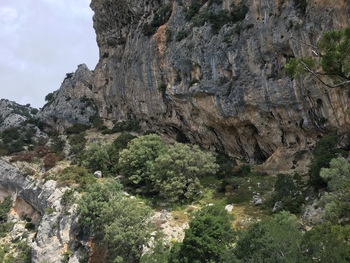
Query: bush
[135,159]
[176,173]
[127,126]
[208,239]
[192,10]
[226,165]
[323,153]
[75,129]
[121,225]
[50,161]
[289,193]
[160,18]
[276,240]
[77,177]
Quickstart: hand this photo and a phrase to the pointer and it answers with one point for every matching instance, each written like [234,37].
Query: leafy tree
[332,64]
[208,238]
[289,193]
[323,154]
[276,240]
[76,176]
[96,158]
[127,229]
[121,224]
[336,202]
[93,202]
[176,172]
[326,243]
[135,159]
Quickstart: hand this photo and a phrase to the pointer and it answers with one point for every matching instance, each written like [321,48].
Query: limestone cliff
[226,89]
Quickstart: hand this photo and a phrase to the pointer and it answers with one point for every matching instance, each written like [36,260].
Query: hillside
[188,142]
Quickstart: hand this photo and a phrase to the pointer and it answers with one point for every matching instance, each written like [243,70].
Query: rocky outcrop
[72,103]
[226,91]
[41,202]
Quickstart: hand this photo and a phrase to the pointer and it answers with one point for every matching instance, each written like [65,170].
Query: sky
[41,41]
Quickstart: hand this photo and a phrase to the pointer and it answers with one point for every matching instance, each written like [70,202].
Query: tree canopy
[331,65]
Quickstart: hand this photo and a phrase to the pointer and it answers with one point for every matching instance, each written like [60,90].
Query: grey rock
[257,199]
[243,102]
[277,207]
[229,208]
[98,174]
[314,214]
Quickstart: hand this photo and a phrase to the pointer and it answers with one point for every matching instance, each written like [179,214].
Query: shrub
[239,12]
[134,160]
[243,170]
[50,161]
[226,165]
[75,129]
[323,153]
[181,35]
[77,143]
[75,176]
[289,193]
[192,10]
[127,126]
[276,240]
[176,173]
[160,18]
[120,224]
[208,238]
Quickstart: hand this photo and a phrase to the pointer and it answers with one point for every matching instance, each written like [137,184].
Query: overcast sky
[41,41]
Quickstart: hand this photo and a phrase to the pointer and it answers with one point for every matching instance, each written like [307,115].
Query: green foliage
[226,165]
[296,67]
[337,176]
[49,97]
[77,143]
[181,35]
[5,227]
[122,224]
[92,203]
[289,193]
[176,173]
[135,159]
[333,60]
[127,126]
[77,177]
[192,10]
[208,238]
[323,153]
[76,129]
[5,206]
[239,12]
[96,158]
[57,145]
[326,243]
[159,254]
[127,229]
[275,240]
[160,18]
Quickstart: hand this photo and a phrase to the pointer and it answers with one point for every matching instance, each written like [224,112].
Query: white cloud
[41,41]
[8,14]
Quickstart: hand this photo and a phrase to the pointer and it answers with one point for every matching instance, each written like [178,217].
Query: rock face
[57,228]
[226,91]
[72,103]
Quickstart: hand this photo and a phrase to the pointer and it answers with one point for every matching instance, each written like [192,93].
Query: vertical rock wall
[226,91]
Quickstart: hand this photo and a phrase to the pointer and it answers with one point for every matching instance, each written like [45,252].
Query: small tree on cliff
[331,64]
